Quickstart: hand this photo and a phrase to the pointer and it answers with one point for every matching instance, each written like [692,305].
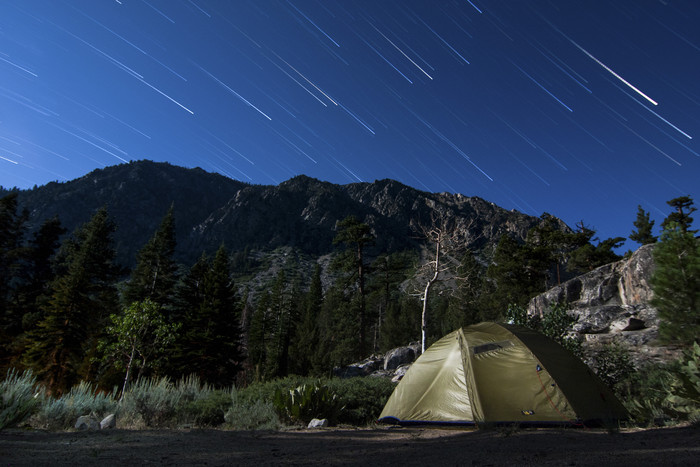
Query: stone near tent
[399,356]
[316,423]
[87,422]
[110,421]
[400,372]
[364,368]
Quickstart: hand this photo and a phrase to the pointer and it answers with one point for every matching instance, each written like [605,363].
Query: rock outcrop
[611,304]
[392,365]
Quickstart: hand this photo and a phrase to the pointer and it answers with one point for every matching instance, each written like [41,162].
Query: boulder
[316,423]
[364,368]
[87,422]
[399,373]
[400,356]
[611,304]
[110,421]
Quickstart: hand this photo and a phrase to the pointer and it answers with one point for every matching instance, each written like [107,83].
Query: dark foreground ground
[381,446]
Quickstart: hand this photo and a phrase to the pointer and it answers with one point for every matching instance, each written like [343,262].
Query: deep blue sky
[580,109]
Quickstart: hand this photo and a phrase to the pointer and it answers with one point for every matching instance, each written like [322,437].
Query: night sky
[583,109]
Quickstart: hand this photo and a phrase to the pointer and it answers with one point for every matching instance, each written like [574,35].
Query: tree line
[70,313]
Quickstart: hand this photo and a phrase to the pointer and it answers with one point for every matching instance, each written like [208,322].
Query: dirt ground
[338,446]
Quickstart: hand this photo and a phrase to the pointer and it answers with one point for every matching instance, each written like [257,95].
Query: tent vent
[491,347]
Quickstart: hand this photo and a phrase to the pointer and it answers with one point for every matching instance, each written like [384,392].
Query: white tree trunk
[430,283]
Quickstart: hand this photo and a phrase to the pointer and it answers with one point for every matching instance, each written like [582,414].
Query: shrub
[684,394]
[257,415]
[199,404]
[362,399]
[265,391]
[152,402]
[613,365]
[20,398]
[83,399]
[306,402]
[665,394]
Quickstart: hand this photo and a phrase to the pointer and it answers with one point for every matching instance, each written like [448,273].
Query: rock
[399,373]
[400,356]
[110,421]
[316,423]
[611,304]
[87,422]
[364,368]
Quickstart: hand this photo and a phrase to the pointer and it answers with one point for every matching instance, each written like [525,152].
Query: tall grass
[21,397]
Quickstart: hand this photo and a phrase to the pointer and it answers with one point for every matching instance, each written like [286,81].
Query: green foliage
[83,295]
[643,234]
[155,274]
[201,405]
[517,273]
[683,208]
[84,399]
[209,312]
[308,401]
[589,256]
[555,324]
[150,402]
[137,336]
[255,415]
[685,389]
[357,235]
[20,397]
[362,399]
[676,285]
[613,365]
[663,394]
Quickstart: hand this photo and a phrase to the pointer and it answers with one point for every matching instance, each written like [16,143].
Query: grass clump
[21,397]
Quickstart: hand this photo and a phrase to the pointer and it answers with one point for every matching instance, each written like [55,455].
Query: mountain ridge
[302,212]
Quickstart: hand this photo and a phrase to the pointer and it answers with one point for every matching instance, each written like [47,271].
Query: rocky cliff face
[611,304]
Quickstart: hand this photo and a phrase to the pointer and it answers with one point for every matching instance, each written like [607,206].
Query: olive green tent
[499,373]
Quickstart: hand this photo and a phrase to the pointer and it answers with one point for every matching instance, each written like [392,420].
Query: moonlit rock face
[584,111]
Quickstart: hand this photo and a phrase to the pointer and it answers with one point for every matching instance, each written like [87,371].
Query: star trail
[583,110]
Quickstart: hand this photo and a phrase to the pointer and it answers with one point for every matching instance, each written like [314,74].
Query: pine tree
[683,206]
[354,233]
[644,227]
[388,271]
[515,275]
[220,313]
[155,274]
[464,306]
[258,331]
[306,339]
[209,343]
[80,299]
[12,226]
[676,285]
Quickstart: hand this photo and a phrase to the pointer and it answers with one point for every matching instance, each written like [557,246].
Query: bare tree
[445,239]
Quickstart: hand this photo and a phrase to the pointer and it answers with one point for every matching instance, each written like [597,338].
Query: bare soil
[346,446]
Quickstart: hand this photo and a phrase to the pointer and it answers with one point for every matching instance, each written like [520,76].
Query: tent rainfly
[500,373]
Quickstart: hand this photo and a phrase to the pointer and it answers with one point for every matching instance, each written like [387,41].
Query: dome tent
[499,373]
